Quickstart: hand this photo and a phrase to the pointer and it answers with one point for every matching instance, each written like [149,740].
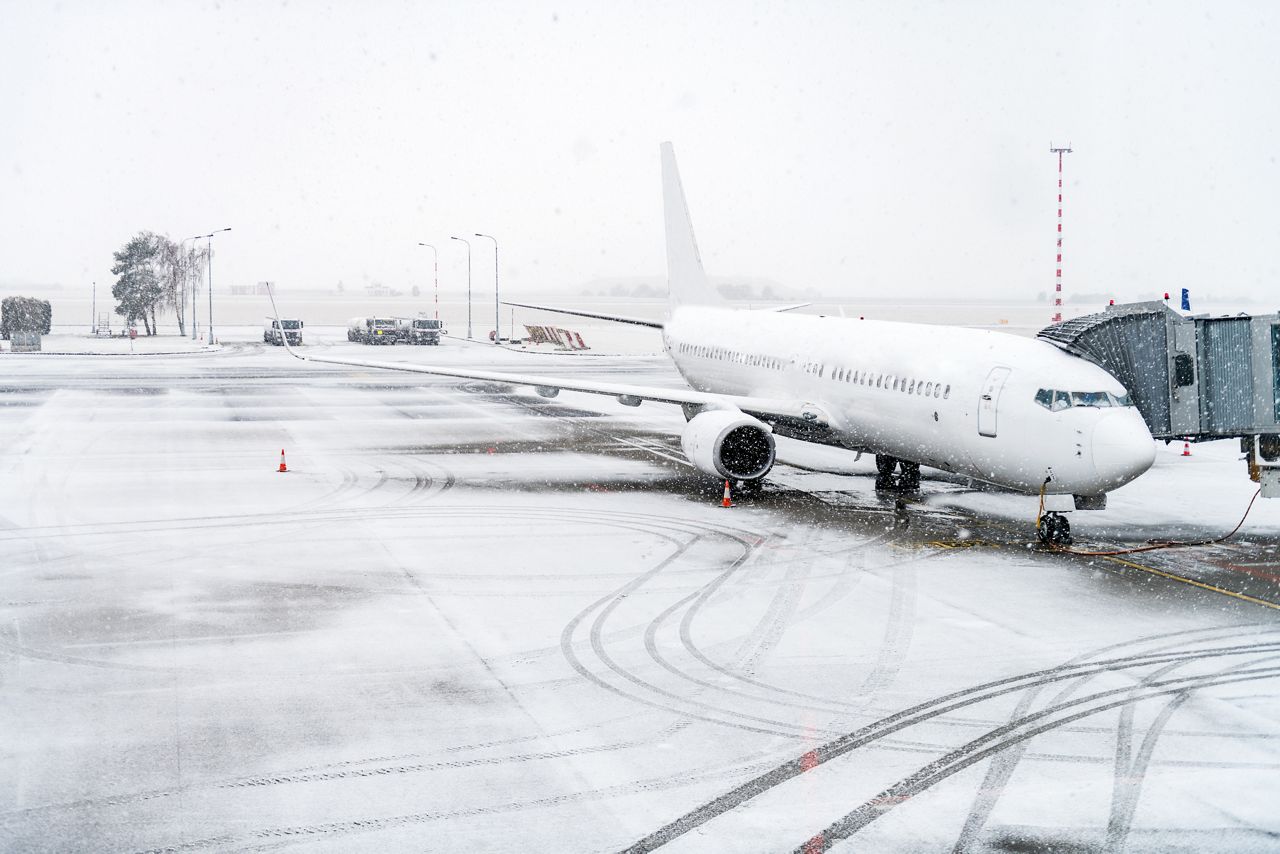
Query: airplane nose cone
[1122,449]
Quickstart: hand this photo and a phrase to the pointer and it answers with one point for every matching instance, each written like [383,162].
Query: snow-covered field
[468,618]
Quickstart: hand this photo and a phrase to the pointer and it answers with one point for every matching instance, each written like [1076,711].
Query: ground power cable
[1152,545]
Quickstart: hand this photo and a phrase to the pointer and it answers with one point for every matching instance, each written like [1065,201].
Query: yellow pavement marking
[1194,583]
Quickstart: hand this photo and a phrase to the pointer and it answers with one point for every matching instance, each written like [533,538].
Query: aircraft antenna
[1057,283]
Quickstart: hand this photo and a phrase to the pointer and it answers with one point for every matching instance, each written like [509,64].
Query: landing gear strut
[1054,530]
[906,480]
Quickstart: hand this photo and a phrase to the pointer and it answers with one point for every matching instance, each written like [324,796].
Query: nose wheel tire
[1054,530]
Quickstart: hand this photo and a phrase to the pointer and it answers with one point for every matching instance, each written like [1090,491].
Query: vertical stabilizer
[686,281]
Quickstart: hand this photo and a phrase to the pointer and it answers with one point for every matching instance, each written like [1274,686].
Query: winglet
[686,280]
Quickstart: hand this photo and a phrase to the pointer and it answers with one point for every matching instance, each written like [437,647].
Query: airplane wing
[616,318]
[630,395]
[766,409]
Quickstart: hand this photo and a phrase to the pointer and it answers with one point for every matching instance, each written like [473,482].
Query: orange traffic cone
[726,502]
[1186,449]
[283,467]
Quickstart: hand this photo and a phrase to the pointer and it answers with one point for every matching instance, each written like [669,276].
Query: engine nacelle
[729,444]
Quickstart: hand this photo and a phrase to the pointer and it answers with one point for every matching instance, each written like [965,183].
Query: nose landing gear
[1054,530]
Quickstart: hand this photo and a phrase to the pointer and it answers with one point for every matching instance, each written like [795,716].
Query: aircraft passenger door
[990,400]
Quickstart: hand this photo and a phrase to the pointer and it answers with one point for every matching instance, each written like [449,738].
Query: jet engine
[729,444]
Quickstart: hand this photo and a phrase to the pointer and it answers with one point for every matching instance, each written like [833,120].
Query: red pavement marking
[1249,570]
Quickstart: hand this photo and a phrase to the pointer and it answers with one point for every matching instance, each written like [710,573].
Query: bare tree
[179,272]
[173,279]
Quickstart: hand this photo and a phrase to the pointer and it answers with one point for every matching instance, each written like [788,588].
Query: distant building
[258,290]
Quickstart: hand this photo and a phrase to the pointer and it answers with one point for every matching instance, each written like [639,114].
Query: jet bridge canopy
[1192,378]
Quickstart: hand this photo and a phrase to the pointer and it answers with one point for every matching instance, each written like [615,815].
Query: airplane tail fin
[686,280]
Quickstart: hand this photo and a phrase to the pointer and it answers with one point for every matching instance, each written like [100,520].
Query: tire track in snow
[1003,765]
[1001,738]
[917,714]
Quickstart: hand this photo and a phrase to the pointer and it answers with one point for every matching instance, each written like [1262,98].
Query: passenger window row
[726,355]
[870,379]
[907,385]
[1055,400]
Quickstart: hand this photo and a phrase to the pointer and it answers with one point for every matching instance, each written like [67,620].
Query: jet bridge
[1193,378]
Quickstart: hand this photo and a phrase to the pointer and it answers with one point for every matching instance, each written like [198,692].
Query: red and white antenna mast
[1057,284]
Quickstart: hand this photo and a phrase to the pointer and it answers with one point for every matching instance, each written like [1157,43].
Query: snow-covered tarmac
[472,619]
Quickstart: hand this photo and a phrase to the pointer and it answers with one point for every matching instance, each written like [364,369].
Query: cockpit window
[1055,400]
[1090,398]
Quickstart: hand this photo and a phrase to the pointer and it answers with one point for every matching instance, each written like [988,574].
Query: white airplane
[1010,411]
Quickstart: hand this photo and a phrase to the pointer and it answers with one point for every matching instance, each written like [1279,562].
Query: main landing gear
[1054,530]
[907,478]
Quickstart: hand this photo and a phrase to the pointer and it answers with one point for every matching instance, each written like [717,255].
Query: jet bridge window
[1184,370]
[1275,368]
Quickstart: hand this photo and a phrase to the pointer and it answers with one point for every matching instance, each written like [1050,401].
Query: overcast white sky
[860,149]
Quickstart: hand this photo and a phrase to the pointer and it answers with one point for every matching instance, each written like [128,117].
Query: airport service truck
[272,328]
[372,330]
[422,330]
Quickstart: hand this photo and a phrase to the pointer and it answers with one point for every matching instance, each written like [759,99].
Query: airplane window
[1044,397]
[912,388]
[928,389]
[879,378]
[946,393]
[937,389]
[1061,400]
[1122,399]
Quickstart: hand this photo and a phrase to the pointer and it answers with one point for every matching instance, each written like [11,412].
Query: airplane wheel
[910,475]
[885,466]
[1055,530]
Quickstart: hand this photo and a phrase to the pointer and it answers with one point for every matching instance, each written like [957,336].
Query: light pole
[468,283]
[93,319]
[191,279]
[497,305]
[435,265]
[209,237]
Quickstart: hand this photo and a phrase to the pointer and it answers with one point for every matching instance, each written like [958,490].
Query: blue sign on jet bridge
[1186,300]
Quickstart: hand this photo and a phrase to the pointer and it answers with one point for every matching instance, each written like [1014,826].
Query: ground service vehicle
[271,329]
[372,330]
[425,330]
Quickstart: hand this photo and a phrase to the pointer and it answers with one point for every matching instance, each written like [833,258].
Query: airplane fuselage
[963,400]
